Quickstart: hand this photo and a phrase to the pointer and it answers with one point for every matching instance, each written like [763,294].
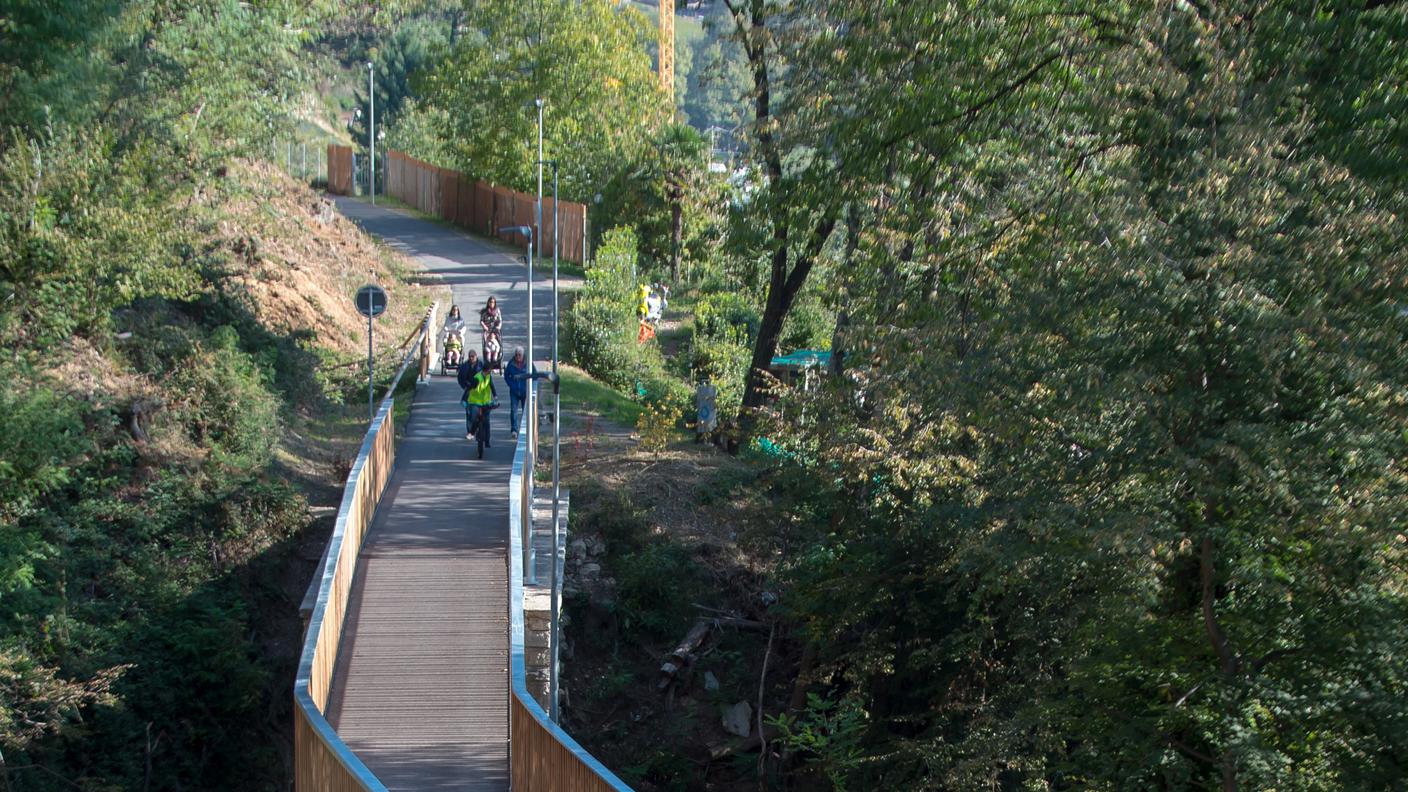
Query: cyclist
[478,398]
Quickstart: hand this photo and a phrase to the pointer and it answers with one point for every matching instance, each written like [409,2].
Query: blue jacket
[465,373]
[517,378]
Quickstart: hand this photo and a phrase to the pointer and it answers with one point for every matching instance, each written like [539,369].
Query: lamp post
[556,459]
[539,103]
[530,403]
[371,133]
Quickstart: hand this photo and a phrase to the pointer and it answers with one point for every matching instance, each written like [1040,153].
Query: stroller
[493,350]
[453,348]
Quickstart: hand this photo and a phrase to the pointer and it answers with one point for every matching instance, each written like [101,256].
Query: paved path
[420,689]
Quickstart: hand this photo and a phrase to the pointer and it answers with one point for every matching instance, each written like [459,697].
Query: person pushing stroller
[453,337]
[491,321]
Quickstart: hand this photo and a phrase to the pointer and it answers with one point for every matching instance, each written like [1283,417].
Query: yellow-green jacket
[482,391]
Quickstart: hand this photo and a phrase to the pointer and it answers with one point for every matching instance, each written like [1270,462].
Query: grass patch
[582,394]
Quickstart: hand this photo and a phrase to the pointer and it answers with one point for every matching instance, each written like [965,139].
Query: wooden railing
[321,760]
[542,757]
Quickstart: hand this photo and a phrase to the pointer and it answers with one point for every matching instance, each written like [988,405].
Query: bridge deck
[420,687]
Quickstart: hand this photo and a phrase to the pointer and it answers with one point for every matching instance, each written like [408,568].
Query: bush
[656,424]
[656,581]
[600,338]
[809,325]
[225,404]
[718,315]
[723,360]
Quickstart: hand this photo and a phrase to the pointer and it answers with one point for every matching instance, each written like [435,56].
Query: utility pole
[537,230]
[371,132]
[556,594]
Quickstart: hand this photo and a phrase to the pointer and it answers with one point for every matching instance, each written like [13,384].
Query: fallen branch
[682,656]
[762,685]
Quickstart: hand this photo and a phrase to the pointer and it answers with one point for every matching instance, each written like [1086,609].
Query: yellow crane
[667,49]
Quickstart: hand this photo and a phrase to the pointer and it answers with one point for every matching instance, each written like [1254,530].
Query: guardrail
[321,760]
[542,756]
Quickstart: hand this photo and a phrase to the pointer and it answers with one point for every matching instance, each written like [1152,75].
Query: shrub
[656,581]
[723,360]
[612,273]
[808,325]
[600,339]
[656,424]
[226,406]
[717,315]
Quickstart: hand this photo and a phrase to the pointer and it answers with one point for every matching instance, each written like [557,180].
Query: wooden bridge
[412,674]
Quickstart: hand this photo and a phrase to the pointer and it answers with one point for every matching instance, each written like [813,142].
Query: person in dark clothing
[516,374]
[470,366]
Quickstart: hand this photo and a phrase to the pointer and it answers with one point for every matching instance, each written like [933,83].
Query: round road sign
[371,301]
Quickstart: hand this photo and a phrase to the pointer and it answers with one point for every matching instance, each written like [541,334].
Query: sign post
[371,303]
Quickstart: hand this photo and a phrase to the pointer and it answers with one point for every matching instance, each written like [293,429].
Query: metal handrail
[327,568]
[519,491]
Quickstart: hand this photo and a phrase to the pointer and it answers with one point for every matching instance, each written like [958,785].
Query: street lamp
[556,454]
[539,103]
[371,132]
[530,403]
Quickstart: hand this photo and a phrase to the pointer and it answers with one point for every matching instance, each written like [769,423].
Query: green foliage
[586,60]
[396,61]
[228,406]
[601,328]
[809,325]
[417,130]
[600,335]
[657,424]
[719,82]
[828,732]
[655,581]
[671,202]
[1106,498]
[726,315]
[80,238]
[139,522]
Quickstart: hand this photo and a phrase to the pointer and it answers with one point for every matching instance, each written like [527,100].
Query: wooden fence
[542,756]
[339,169]
[482,207]
[321,760]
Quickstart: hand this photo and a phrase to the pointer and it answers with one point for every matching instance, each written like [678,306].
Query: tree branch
[1231,664]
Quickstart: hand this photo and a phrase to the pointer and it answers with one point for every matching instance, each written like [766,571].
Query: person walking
[516,374]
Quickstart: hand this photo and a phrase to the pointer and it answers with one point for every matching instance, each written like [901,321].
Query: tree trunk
[769,329]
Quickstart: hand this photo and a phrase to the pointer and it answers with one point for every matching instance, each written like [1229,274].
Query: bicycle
[481,423]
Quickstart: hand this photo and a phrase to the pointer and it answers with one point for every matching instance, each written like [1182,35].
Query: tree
[799,208]
[589,64]
[413,46]
[719,78]
[668,196]
[1106,495]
